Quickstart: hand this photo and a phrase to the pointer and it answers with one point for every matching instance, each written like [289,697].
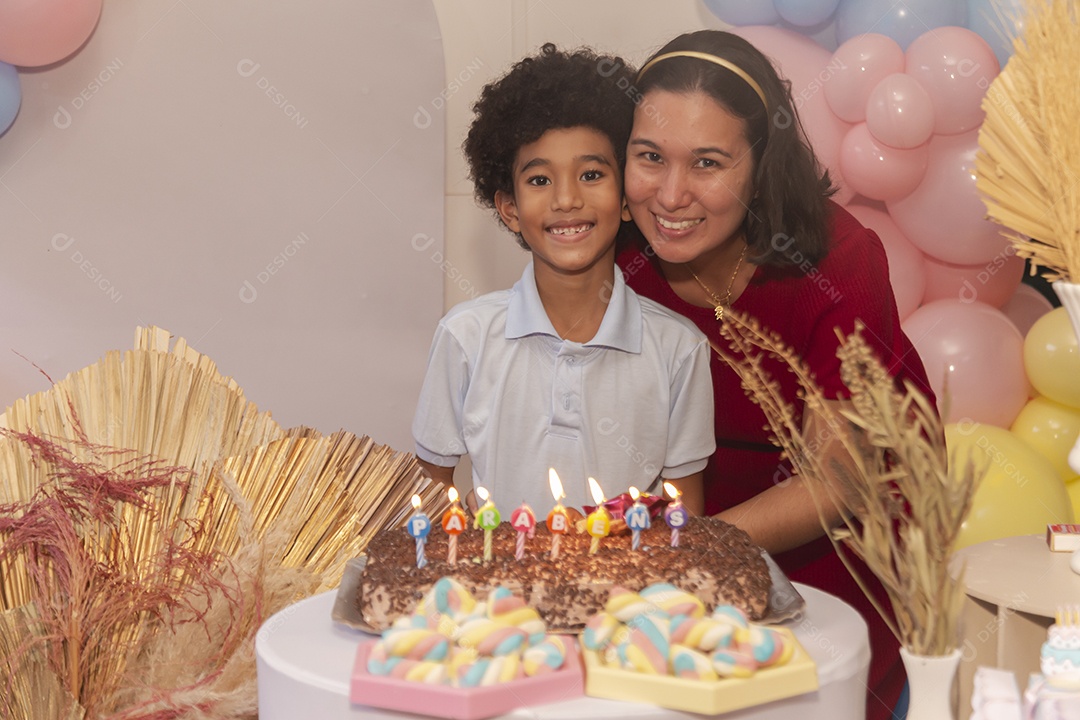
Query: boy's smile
[567,201]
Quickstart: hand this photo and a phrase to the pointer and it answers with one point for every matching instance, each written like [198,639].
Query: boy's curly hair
[553,89]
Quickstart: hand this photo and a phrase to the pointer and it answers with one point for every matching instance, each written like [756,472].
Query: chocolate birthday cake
[715,561]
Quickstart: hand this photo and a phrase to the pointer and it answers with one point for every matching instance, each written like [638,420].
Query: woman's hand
[785,516]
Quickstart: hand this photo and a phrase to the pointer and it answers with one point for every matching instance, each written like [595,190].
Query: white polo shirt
[633,404]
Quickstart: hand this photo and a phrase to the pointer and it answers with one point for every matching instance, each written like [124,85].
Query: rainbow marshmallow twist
[661,631]
[453,639]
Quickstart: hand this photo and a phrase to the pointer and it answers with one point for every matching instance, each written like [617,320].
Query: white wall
[250,175]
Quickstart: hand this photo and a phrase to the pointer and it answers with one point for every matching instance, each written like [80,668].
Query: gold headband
[713,59]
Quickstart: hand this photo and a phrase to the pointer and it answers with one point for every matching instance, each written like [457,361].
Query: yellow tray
[796,677]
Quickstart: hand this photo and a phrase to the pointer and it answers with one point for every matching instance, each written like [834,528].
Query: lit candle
[453,522]
[524,522]
[419,526]
[558,521]
[487,518]
[675,515]
[637,519]
[598,524]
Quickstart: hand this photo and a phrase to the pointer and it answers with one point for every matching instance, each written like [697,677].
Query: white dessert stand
[1014,587]
[304,661]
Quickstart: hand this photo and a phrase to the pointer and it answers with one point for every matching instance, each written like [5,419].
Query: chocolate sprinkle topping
[714,561]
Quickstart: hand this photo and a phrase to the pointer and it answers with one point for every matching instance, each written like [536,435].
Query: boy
[569,369]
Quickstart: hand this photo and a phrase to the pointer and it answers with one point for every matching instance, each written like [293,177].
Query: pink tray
[464,703]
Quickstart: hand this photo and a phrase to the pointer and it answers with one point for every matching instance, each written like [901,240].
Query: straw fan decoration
[151,518]
[1028,164]
[881,458]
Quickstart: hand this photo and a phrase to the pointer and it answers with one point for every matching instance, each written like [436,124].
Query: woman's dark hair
[788,212]
[551,90]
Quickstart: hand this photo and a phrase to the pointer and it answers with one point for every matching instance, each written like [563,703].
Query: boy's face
[567,201]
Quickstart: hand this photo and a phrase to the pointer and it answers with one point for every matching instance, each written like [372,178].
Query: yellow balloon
[1050,428]
[1073,489]
[1052,357]
[1020,492]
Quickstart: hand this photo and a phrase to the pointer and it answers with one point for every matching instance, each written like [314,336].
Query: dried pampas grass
[151,519]
[1028,164]
[902,499]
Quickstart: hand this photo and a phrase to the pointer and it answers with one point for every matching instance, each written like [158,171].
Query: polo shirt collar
[621,327]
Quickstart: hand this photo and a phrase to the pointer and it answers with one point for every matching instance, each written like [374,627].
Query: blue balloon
[824,34]
[10,95]
[806,13]
[744,12]
[901,21]
[997,31]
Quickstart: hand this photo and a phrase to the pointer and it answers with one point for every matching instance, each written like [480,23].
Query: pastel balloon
[1025,307]
[804,63]
[877,171]
[744,12]
[906,267]
[1073,489]
[902,21]
[899,112]
[1020,492]
[955,66]
[856,68]
[805,13]
[1052,358]
[1051,429]
[967,349]
[944,216]
[41,32]
[992,283]
[997,22]
[10,96]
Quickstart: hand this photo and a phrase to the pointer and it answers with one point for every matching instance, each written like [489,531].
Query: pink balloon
[41,32]
[905,261]
[955,66]
[878,171]
[992,283]
[806,64]
[944,216]
[857,67]
[1025,307]
[899,112]
[975,354]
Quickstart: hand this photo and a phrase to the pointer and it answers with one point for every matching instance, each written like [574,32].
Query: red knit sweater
[803,305]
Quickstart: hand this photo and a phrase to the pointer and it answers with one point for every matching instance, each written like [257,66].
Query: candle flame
[597,493]
[634,494]
[671,490]
[482,493]
[416,501]
[556,485]
[452,494]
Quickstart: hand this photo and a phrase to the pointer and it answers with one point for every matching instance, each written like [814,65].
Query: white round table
[304,662]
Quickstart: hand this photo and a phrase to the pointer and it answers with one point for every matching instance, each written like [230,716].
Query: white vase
[930,682]
[1069,293]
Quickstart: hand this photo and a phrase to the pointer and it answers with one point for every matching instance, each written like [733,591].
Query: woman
[734,212]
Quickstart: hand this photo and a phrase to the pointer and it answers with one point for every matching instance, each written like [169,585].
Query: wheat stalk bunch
[902,501]
[1028,164]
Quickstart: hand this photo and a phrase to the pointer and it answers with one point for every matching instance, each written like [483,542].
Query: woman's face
[689,174]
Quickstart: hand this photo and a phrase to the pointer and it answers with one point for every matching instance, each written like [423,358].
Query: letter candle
[488,518]
[419,526]
[524,522]
[637,519]
[675,515]
[453,522]
[558,521]
[598,524]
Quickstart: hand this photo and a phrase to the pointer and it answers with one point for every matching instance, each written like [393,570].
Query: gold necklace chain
[720,302]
